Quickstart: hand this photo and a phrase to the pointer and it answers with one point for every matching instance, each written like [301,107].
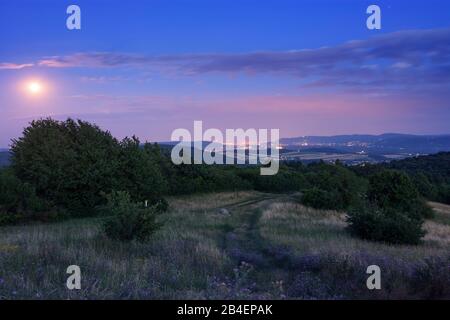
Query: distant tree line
[73,168]
[430,174]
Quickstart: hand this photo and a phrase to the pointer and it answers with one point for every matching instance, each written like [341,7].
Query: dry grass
[192,256]
[176,263]
[440,207]
[310,231]
[437,233]
[210,200]
[442,212]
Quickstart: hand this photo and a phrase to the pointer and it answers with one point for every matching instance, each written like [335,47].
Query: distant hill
[388,143]
[351,149]
[434,165]
[357,148]
[314,150]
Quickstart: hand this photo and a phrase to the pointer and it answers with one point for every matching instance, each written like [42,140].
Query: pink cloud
[14,66]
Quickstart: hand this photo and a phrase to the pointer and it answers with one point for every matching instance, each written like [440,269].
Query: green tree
[336,183]
[140,171]
[394,189]
[67,162]
[392,212]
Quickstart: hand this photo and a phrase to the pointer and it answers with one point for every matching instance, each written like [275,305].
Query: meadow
[232,245]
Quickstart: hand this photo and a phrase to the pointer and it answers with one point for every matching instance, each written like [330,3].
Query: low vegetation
[63,168]
[127,220]
[430,174]
[392,211]
[265,246]
[142,227]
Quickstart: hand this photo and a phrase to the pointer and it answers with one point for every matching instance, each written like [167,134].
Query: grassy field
[243,245]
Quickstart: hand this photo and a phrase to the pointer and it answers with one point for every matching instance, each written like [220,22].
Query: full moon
[34,87]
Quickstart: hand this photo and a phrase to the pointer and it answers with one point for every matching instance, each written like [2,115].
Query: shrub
[321,199]
[128,220]
[393,211]
[161,205]
[394,189]
[368,221]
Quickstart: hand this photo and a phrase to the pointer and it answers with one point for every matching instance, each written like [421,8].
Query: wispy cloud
[403,58]
[14,66]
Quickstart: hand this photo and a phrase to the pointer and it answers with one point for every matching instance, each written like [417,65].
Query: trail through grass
[262,246]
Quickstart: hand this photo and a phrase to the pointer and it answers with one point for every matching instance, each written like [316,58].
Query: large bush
[371,222]
[127,220]
[321,199]
[67,162]
[394,189]
[70,163]
[392,212]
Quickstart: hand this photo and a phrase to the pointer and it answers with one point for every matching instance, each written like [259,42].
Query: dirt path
[244,244]
[251,201]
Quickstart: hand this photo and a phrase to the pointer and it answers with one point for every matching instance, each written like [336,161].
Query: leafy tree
[67,162]
[139,171]
[424,185]
[339,187]
[431,174]
[393,211]
[394,189]
[72,162]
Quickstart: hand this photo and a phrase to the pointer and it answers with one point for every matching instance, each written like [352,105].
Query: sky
[149,67]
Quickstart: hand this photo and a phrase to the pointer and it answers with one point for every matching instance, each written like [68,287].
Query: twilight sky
[305,67]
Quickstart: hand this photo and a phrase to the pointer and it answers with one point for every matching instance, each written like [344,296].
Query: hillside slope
[239,245]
